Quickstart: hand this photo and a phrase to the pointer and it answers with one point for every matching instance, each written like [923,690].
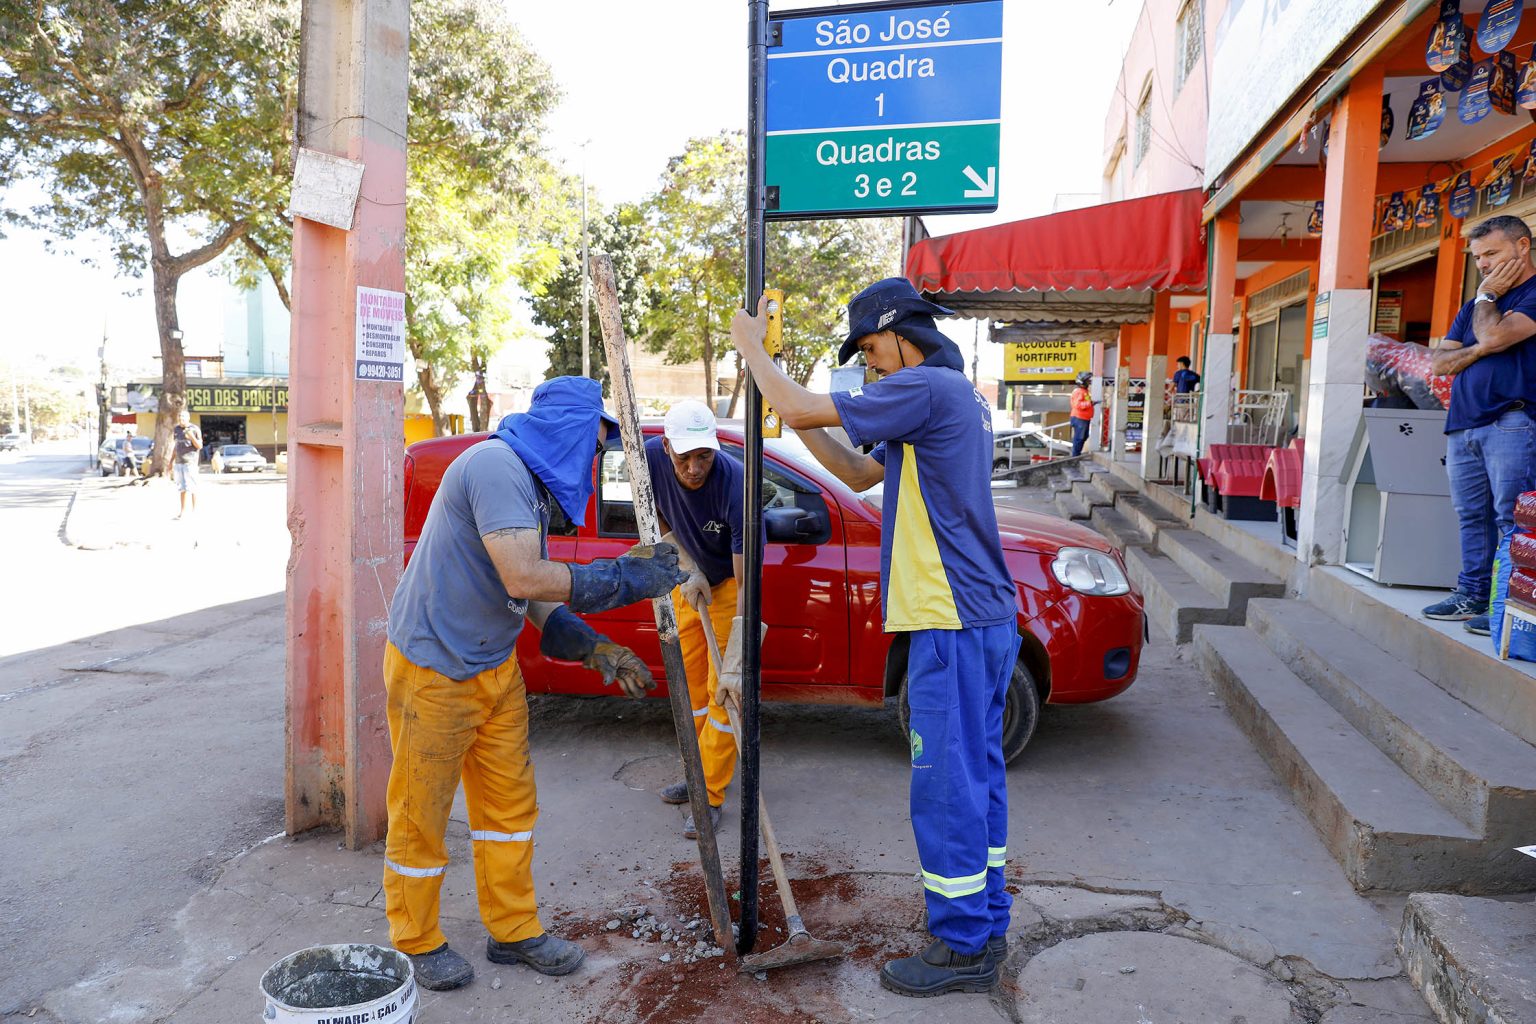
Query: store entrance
[219,430]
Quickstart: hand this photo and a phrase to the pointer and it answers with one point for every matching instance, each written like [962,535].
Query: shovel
[801,947]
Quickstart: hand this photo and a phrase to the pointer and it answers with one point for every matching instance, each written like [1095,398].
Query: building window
[1143,123]
[1190,42]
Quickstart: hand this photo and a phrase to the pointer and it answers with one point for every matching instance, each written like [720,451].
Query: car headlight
[1090,572]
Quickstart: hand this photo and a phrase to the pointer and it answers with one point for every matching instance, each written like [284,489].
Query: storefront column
[1216,380]
[1450,271]
[1155,412]
[1341,318]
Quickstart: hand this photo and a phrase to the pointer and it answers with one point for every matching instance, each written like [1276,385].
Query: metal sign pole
[752,507]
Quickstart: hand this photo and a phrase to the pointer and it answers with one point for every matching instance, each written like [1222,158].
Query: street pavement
[1162,873]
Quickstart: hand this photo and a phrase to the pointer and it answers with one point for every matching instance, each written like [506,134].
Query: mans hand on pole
[729,683]
[641,573]
[567,638]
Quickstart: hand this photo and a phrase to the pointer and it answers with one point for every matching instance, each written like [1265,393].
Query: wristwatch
[1486,297]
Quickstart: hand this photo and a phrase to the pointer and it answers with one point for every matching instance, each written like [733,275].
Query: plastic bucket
[342,984]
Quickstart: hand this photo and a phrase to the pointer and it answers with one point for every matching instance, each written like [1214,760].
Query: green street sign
[868,171]
[883,108]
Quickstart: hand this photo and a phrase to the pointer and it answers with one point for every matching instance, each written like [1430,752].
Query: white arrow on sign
[986,188]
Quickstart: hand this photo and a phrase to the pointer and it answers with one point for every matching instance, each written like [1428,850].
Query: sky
[639,80]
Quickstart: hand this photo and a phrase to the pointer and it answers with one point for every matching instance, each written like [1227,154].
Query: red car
[1080,618]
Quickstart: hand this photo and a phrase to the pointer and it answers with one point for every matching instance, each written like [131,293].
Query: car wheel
[1021,712]
[104,471]
[998,465]
[120,470]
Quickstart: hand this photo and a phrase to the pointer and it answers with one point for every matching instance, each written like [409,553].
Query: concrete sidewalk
[1162,873]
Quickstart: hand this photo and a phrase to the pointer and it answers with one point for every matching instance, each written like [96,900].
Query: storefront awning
[1101,264]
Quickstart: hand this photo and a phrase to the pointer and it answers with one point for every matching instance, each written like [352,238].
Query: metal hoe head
[800,948]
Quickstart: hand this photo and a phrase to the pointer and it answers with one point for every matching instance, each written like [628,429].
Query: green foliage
[622,234]
[486,209]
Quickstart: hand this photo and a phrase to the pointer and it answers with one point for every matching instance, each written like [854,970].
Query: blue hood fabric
[557,436]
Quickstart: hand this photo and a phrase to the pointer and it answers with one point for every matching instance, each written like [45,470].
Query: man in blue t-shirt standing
[944,583]
[455,696]
[698,496]
[1184,379]
[1490,435]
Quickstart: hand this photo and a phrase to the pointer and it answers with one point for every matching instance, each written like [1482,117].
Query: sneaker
[689,832]
[547,954]
[677,793]
[1456,608]
[441,970]
[997,949]
[939,969]
[1478,624]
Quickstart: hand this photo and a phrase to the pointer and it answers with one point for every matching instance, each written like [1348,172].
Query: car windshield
[140,444]
[238,449]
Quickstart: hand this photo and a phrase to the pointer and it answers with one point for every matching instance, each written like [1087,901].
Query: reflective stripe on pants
[957,685]
[717,745]
[443,730]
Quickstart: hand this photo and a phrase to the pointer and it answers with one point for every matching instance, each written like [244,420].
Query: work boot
[939,969]
[689,832]
[547,954]
[997,949]
[1478,624]
[441,970]
[677,793]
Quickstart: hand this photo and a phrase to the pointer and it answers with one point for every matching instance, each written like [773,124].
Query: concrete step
[1117,529]
[1471,958]
[1505,691]
[1266,551]
[1076,469]
[1071,506]
[1479,771]
[1175,601]
[1093,493]
[1146,515]
[1105,489]
[1060,483]
[1228,575]
[1384,830]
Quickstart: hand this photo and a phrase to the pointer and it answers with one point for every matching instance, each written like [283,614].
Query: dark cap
[894,305]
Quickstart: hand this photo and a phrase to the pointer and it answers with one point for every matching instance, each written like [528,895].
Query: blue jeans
[1079,434]
[1489,467]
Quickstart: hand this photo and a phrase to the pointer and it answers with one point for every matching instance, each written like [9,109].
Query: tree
[622,235]
[485,207]
[158,126]
[696,221]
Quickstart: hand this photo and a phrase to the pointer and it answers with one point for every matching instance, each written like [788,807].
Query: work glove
[696,589]
[640,574]
[567,638]
[729,682]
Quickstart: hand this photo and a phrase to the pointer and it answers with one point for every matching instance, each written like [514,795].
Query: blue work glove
[567,638]
[642,573]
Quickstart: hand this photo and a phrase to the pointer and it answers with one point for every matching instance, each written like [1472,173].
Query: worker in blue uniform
[945,584]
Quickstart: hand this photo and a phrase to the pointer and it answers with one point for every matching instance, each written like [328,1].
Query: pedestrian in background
[189,442]
[1490,436]
[1185,380]
[1082,412]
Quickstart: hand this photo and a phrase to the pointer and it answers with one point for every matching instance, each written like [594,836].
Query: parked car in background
[237,458]
[124,456]
[1079,617]
[14,442]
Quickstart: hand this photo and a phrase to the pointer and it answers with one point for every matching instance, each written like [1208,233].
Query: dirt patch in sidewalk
[875,916]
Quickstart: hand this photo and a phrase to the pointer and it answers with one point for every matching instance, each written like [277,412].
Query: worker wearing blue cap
[944,583]
[456,701]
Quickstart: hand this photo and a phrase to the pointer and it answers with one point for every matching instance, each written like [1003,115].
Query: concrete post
[347,434]
[1340,319]
[1155,414]
[1119,406]
[1216,379]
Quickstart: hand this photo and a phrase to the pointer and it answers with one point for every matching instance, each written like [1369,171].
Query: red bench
[1232,476]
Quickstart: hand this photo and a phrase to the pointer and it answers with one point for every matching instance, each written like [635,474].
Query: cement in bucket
[342,984]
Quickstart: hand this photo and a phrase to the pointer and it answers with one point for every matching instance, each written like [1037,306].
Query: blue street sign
[884,109]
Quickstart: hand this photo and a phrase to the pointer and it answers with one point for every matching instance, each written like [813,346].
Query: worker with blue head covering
[943,583]
[456,701]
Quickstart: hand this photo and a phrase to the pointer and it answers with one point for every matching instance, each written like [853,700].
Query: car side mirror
[789,525]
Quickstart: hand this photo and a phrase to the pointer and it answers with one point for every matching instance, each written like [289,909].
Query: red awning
[1101,263]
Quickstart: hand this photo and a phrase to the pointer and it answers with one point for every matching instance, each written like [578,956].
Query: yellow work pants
[443,730]
[717,743]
